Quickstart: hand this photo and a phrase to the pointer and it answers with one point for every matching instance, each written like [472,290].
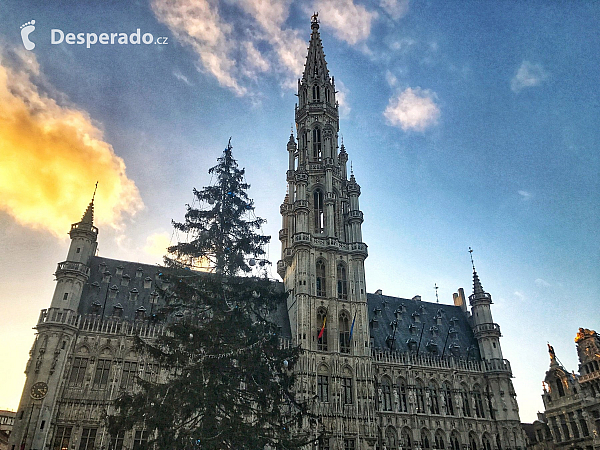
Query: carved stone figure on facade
[396,400]
[380,397]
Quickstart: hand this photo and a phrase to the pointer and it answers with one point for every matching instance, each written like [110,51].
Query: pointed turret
[477,288]
[316,66]
[72,273]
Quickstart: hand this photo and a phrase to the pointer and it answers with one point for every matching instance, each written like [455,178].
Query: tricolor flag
[323,327]
[352,327]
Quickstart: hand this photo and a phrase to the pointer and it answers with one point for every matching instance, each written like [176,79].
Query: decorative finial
[292,129]
[342,136]
[315,18]
[95,189]
[437,300]
[351,169]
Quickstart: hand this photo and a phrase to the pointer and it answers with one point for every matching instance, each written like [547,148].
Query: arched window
[318,211]
[435,402]
[323,383]
[425,439]
[485,443]
[316,92]
[327,98]
[439,440]
[386,394]
[454,441]
[560,387]
[402,403]
[472,442]
[342,283]
[448,398]
[405,439]
[420,397]
[322,329]
[317,148]
[478,402]
[344,332]
[464,394]
[320,278]
[391,438]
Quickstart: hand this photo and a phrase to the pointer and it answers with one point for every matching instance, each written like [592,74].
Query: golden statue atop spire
[315,18]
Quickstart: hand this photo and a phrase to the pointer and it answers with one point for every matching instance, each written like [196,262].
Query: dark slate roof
[131,286]
[433,324]
[113,282]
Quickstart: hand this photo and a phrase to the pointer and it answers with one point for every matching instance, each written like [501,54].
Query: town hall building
[379,372]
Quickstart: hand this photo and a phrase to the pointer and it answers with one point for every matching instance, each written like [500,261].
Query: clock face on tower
[39,390]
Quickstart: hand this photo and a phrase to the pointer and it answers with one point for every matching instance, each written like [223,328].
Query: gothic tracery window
[344,327]
[318,211]
[448,398]
[320,280]
[322,330]
[317,147]
[342,282]
[420,397]
[386,390]
[403,405]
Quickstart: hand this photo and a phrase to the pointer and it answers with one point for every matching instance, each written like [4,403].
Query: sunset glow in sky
[468,124]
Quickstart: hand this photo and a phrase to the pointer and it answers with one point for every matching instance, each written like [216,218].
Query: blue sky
[467,124]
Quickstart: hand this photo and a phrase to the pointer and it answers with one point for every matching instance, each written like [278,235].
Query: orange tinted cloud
[52,155]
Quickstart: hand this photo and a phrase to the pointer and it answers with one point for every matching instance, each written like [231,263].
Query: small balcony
[71,267]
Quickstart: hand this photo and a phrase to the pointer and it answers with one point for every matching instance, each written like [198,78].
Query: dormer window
[118,310]
[120,270]
[140,313]
[139,272]
[114,290]
[133,294]
[125,280]
[96,307]
[147,283]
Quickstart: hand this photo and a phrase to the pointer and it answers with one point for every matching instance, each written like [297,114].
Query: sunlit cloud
[351,22]
[528,75]
[51,155]
[413,109]
[157,244]
[395,8]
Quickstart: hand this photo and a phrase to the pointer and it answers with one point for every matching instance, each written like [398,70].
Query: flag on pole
[323,327]
[352,327]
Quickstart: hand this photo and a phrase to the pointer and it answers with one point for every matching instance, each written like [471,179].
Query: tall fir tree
[229,383]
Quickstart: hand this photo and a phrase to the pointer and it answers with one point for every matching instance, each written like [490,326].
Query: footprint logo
[26,29]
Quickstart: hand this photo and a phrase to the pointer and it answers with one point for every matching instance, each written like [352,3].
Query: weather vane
[94,196]
[471,254]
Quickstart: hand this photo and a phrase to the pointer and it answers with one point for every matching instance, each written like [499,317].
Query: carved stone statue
[396,400]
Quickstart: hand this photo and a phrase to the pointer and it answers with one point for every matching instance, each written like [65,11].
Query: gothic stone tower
[56,331]
[322,265]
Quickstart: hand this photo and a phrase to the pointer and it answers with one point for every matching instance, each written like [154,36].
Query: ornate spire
[88,216]
[315,67]
[477,288]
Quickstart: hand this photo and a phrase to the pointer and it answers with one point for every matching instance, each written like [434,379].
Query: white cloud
[395,8]
[198,24]
[528,75]
[181,77]
[525,196]
[391,79]
[228,49]
[413,109]
[541,283]
[350,22]
[403,45]
[341,97]
[519,295]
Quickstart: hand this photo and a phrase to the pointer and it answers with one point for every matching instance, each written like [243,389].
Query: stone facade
[571,419]
[379,372]
[7,419]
